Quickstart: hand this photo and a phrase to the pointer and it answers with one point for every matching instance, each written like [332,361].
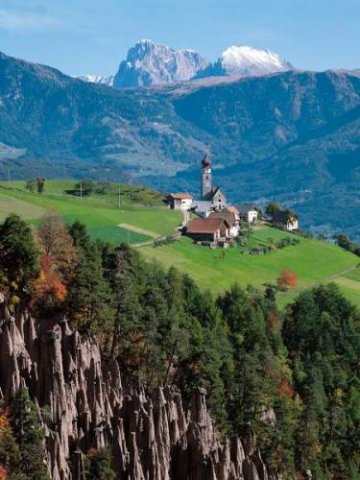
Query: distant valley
[291,136]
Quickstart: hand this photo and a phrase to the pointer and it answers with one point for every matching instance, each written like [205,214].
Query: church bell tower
[206,180]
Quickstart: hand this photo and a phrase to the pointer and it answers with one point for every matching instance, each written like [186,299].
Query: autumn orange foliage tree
[56,243]
[287,279]
[48,290]
[57,263]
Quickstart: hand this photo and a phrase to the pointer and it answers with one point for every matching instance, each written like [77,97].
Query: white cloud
[20,21]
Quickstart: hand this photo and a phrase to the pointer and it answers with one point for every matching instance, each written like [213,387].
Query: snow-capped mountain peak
[245,60]
[148,63]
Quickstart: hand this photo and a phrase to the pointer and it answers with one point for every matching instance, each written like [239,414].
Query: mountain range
[291,136]
[149,64]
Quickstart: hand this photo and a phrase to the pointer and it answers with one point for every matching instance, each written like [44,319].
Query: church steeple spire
[206,180]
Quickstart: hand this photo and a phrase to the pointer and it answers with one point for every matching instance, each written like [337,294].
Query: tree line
[290,380]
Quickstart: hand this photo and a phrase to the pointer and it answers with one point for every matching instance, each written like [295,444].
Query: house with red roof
[211,229]
[180,201]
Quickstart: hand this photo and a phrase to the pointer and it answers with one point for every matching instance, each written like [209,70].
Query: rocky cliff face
[151,435]
[150,64]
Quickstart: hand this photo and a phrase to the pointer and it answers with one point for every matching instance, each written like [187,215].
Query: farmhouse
[231,218]
[208,229]
[286,219]
[180,201]
[235,211]
[248,212]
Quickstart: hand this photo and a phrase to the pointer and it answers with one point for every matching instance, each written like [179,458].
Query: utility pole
[9,175]
[80,189]
[119,197]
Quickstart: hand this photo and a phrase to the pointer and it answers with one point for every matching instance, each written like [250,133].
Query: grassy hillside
[312,261]
[140,217]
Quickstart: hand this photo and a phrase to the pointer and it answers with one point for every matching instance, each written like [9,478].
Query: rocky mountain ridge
[150,64]
[152,436]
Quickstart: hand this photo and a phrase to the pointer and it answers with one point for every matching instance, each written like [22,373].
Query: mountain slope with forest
[293,137]
[75,312]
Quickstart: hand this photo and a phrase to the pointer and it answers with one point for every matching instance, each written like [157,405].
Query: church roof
[202,205]
[209,196]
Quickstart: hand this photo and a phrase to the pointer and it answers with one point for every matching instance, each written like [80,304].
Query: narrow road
[174,236]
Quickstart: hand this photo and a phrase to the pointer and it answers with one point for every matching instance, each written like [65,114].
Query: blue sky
[92,36]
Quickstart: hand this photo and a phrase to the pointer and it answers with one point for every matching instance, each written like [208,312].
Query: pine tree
[18,253]
[29,436]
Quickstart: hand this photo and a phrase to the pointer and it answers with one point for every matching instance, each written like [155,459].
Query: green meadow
[142,217]
[312,261]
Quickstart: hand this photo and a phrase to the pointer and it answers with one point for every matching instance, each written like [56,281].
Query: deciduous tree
[287,279]
[56,243]
[48,290]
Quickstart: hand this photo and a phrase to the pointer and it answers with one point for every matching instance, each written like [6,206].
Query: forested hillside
[287,381]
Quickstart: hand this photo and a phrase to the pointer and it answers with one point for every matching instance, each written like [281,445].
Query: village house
[235,211]
[229,215]
[180,201]
[248,212]
[286,219]
[208,230]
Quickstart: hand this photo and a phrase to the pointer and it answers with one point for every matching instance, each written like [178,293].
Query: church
[217,223]
[211,198]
